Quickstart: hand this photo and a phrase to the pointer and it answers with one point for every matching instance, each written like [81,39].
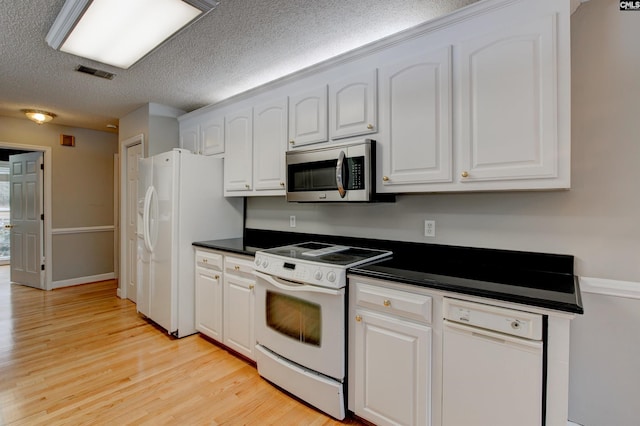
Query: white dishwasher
[493,366]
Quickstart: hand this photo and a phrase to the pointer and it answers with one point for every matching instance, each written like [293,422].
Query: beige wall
[597,221]
[82,192]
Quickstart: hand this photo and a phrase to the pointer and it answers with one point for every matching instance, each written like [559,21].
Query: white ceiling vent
[95,72]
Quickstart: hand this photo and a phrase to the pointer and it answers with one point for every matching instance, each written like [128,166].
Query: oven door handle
[288,286]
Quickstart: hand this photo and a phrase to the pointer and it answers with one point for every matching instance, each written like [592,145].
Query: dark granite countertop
[545,290]
[233,245]
[536,279]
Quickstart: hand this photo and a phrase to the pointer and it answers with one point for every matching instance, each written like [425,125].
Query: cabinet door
[353,105]
[239,151]
[308,117]
[238,315]
[269,145]
[416,122]
[393,370]
[190,137]
[509,103]
[209,303]
[212,135]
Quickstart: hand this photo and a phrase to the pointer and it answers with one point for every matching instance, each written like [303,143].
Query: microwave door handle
[340,174]
[282,285]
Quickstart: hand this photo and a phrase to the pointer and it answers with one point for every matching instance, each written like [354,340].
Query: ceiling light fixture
[121,32]
[38,116]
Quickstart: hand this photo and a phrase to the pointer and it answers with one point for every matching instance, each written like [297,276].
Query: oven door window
[296,318]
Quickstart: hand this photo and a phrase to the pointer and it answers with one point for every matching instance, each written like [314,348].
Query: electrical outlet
[429,228]
[292,221]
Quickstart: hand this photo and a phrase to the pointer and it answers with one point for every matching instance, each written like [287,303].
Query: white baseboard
[628,289]
[83,280]
[570,423]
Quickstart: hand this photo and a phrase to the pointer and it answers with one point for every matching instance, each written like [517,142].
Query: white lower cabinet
[209,294]
[239,304]
[225,299]
[391,353]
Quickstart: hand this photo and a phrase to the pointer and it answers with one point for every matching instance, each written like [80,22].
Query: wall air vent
[95,72]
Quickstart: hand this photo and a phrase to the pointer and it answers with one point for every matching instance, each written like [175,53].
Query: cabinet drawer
[239,265]
[205,259]
[401,303]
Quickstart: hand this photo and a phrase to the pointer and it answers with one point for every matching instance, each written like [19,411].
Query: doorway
[5,212]
[8,149]
[5,205]
[132,150]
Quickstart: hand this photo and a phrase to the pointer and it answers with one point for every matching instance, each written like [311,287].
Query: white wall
[597,221]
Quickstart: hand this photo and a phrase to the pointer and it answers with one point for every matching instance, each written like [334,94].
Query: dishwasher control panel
[508,321]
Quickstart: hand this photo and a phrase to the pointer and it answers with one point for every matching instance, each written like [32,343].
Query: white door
[134,152]
[27,253]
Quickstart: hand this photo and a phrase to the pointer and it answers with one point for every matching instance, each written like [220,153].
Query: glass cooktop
[327,253]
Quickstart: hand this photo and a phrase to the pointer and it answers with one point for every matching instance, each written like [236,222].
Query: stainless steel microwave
[336,173]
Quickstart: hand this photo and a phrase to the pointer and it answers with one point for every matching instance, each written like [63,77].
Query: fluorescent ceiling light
[121,32]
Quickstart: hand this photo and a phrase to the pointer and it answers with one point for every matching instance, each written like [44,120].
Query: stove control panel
[303,271]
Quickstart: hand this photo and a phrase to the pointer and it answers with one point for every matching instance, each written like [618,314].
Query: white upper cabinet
[212,135]
[308,117]
[269,145]
[189,136]
[479,100]
[203,135]
[238,164]
[508,105]
[353,105]
[415,121]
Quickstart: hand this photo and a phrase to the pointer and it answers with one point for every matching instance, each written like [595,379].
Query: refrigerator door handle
[146,219]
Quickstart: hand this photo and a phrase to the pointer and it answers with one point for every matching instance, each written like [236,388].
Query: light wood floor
[80,355]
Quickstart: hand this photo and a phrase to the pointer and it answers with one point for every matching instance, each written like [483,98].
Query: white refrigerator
[180,201]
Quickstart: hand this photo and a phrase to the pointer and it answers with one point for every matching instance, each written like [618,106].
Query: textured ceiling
[241,44]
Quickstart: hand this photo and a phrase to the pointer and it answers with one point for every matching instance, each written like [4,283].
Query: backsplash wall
[597,221]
